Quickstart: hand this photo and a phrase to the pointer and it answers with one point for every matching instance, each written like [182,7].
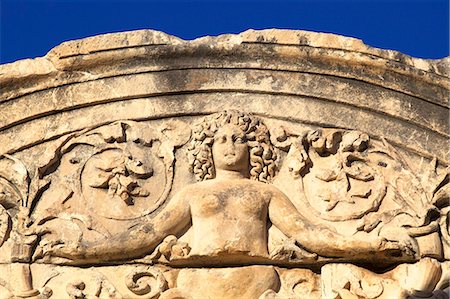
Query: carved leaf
[16,174]
[444,224]
[432,181]
[354,141]
[4,225]
[176,132]
[100,287]
[359,170]
[76,289]
[297,158]
[408,190]
[441,197]
[137,168]
[141,134]
[406,184]
[170,248]
[100,179]
[290,251]
[328,175]
[111,133]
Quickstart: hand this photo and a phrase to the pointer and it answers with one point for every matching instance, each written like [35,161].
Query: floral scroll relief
[418,280]
[339,180]
[349,181]
[117,161]
[103,175]
[121,174]
[54,208]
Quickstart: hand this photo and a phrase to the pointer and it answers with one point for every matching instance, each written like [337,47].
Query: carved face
[230,149]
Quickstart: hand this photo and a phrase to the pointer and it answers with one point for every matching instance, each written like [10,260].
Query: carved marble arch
[102,183]
[268,164]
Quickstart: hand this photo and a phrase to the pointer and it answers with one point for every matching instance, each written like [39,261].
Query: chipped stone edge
[147,37]
[64,56]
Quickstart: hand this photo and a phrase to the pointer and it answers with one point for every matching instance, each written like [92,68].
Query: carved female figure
[231,205]
[230,208]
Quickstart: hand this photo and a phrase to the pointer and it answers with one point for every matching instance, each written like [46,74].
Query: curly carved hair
[262,155]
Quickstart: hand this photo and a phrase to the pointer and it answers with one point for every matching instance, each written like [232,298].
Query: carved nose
[229,146]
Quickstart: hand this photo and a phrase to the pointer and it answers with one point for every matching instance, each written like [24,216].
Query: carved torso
[220,207]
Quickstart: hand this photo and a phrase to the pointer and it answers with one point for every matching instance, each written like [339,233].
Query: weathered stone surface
[269,164]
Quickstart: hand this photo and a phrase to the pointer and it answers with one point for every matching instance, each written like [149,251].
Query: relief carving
[146,281]
[122,174]
[118,173]
[234,162]
[14,184]
[355,184]
[341,183]
[264,196]
[417,280]
[101,288]
[99,182]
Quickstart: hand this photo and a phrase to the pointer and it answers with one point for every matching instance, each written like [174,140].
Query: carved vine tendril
[146,281]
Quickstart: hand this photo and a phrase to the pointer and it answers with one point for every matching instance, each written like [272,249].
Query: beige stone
[269,164]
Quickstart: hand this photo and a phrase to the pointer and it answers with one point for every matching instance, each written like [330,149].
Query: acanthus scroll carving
[348,180]
[341,183]
[123,168]
[120,172]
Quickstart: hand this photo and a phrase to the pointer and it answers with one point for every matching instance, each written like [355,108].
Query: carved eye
[221,139]
[239,139]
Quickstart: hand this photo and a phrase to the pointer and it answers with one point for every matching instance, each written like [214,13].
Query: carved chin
[230,160]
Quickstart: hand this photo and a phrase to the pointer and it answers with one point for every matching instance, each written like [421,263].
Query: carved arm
[138,241]
[313,238]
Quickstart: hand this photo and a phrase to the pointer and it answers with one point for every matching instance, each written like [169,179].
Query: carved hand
[67,251]
[395,248]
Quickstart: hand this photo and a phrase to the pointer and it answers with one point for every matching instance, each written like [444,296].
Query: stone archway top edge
[147,37]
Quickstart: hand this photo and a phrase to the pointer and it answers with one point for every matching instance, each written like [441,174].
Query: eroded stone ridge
[270,164]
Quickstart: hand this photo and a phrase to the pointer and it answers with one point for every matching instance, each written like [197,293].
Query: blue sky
[30,28]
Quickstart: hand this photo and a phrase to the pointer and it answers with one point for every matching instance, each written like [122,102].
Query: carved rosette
[119,177]
[342,183]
